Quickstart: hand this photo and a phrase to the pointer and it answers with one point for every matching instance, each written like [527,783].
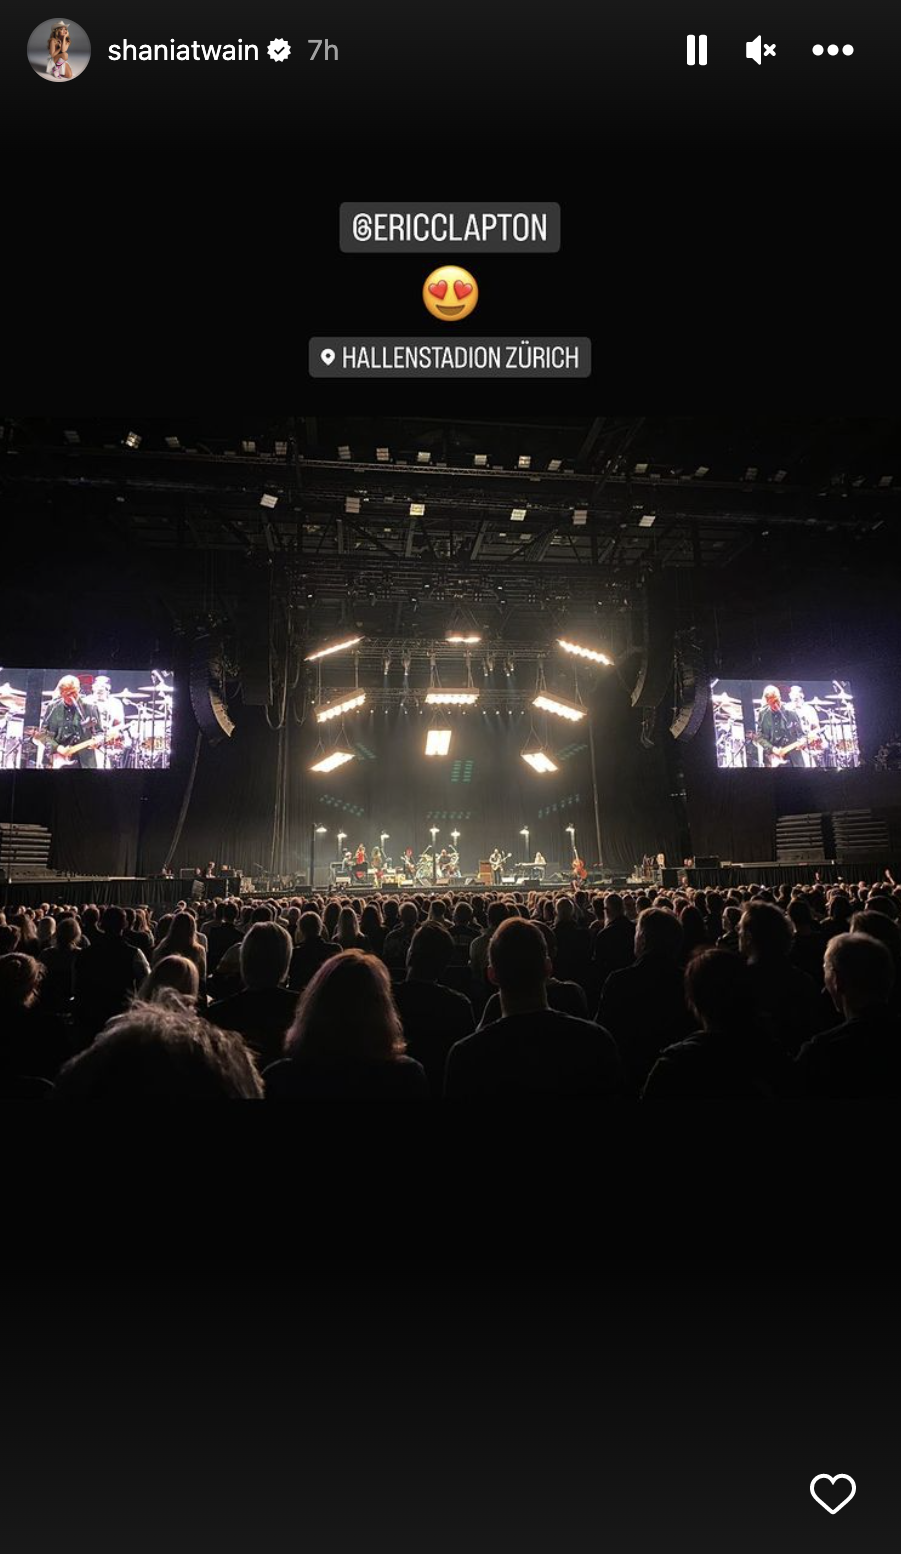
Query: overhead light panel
[885,480]
[336,709]
[465,698]
[459,638]
[560,709]
[701,471]
[281,450]
[554,465]
[268,500]
[647,520]
[539,761]
[423,458]
[518,514]
[437,741]
[580,517]
[594,654]
[417,509]
[336,647]
[173,444]
[133,440]
[351,504]
[72,438]
[480,460]
[331,762]
[344,451]
[382,455]
[524,461]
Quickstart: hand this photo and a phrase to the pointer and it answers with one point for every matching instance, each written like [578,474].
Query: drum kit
[142,742]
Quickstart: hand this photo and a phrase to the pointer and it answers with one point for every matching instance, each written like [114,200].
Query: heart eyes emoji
[450,293]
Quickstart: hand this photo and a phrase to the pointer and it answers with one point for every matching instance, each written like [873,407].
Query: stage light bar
[248,446]
[518,515]
[417,509]
[580,517]
[451,698]
[133,440]
[351,504]
[584,652]
[480,460]
[467,641]
[72,438]
[423,458]
[268,500]
[382,455]
[524,461]
[437,741]
[538,761]
[560,709]
[173,444]
[554,465]
[330,762]
[338,708]
[647,520]
[344,450]
[336,647]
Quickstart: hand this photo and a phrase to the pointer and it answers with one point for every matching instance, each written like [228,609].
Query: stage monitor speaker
[209,708]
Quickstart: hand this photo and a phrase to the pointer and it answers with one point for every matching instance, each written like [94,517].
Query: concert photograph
[453,757]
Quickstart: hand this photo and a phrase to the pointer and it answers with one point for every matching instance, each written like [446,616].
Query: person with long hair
[58,66]
[173,978]
[182,940]
[347,1040]
[347,932]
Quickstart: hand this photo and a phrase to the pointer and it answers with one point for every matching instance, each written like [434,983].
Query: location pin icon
[327,356]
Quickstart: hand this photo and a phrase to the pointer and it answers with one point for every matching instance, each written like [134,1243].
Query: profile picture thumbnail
[59,50]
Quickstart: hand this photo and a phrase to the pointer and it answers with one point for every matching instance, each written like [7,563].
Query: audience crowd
[791,993]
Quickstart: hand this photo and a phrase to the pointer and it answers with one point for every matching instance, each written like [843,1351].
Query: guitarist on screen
[778,726]
[71,720]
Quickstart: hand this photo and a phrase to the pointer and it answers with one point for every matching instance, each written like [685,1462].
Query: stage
[163,894]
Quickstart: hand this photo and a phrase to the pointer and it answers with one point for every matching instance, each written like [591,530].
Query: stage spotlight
[554,465]
[480,460]
[524,461]
[173,444]
[580,517]
[72,438]
[467,641]
[423,458]
[647,520]
[640,469]
[344,451]
[349,704]
[885,481]
[330,762]
[593,654]
[382,455]
[701,471]
[465,698]
[281,450]
[437,741]
[782,473]
[248,447]
[351,504]
[268,500]
[336,647]
[560,709]
[751,472]
[518,514]
[538,761]
[417,509]
[133,440]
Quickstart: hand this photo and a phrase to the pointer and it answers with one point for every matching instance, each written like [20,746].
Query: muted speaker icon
[755,51]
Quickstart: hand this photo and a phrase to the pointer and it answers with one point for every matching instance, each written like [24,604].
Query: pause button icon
[696,55]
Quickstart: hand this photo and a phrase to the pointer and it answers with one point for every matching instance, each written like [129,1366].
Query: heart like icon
[462,289]
[439,289]
[831,1478]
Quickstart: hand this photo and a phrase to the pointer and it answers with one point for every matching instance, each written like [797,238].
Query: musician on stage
[70,720]
[377,863]
[112,721]
[360,856]
[408,863]
[810,723]
[778,726]
[540,864]
[497,865]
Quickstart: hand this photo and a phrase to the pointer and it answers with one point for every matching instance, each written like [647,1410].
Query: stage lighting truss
[594,655]
[464,698]
[463,639]
[329,763]
[437,741]
[540,761]
[337,709]
[335,647]
[560,709]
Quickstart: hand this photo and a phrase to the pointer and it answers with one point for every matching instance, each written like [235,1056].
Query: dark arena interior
[475,696]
